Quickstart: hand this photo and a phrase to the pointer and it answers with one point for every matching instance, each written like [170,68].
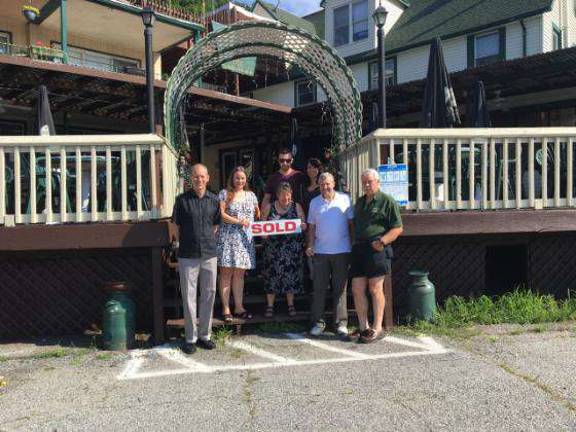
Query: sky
[298,7]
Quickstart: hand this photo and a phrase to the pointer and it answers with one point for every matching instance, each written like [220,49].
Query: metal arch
[295,46]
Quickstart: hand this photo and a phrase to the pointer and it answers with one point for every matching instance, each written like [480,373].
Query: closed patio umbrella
[477,112]
[439,109]
[44,114]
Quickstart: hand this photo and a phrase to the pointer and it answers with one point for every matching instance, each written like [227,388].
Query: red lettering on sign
[279,227]
[290,226]
[256,228]
[268,228]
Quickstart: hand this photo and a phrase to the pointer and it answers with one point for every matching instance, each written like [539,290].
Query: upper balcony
[99,34]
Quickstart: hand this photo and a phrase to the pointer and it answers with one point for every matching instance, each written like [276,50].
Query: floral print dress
[283,257]
[235,243]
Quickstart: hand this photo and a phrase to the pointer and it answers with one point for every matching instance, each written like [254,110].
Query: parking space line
[259,352]
[326,347]
[176,356]
[134,364]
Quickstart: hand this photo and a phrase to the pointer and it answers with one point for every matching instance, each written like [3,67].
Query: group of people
[340,241]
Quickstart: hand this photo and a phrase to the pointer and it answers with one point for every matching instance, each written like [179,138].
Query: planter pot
[30,15]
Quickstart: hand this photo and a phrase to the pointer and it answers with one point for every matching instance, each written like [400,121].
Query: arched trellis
[294,46]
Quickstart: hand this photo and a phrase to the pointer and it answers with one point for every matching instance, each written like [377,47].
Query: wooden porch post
[157,295]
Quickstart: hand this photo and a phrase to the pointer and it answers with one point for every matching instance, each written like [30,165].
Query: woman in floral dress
[236,252]
[283,257]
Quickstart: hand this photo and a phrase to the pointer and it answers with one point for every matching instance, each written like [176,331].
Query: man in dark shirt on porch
[197,215]
[286,173]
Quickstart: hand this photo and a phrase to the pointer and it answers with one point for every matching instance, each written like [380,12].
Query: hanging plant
[30,12]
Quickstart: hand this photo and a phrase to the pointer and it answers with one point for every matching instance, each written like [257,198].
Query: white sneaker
[342,330]
[318,329]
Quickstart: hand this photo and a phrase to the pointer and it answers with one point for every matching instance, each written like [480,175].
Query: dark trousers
[330,270]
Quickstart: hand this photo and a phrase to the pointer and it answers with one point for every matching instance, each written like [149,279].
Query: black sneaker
[188,348]
[206,344]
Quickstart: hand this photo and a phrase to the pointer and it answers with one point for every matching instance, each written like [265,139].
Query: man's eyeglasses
[286,161]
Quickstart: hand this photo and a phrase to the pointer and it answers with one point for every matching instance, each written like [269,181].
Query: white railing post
[32,197]
[123,184]
[432,173]
[531,185]
[445,174]
[63,185]
[153,187]
[484,174]
[78,165]
[518,173]
[557,172]
[569,174]
[419,174]
[93,184]
[458,174]
[492,164]
[505,178]
[48,183]
[17,187]
[471,175]
[109,215]
[544,172]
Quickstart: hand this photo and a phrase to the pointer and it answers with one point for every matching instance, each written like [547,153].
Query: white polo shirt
[331,221]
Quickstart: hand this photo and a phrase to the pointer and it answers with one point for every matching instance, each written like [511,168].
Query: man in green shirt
[377,224]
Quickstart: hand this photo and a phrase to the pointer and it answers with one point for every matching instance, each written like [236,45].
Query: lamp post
[148,17]
[379,16]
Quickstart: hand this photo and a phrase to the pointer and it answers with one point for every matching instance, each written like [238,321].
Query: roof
[286,17]
[426,19]
[317,19]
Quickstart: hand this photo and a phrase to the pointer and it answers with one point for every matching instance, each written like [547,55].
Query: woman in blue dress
[236,253]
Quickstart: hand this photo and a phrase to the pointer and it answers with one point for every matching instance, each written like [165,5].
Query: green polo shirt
[376,217]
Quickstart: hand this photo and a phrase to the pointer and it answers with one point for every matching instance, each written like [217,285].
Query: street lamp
[148,17]
[379,16]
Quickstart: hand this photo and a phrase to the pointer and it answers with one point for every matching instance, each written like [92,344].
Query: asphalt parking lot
[497,380]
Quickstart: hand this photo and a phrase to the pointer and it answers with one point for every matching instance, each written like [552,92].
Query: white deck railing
[453,169]
[85,178]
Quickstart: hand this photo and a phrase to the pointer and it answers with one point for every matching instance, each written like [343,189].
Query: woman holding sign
[283,257]
[236,253]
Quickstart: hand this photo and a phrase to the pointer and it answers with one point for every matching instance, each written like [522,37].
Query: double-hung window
[341,26]
[305,92]
[488,48]
[360,20]
[390,73]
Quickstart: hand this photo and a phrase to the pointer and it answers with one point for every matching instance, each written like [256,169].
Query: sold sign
[279,227]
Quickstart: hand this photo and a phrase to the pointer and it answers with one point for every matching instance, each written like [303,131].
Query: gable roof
[317,19]
[286,17]
[426,19]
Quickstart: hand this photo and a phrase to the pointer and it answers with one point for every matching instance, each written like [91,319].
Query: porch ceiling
[116,24]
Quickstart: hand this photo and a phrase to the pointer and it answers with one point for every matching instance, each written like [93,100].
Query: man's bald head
[199,178]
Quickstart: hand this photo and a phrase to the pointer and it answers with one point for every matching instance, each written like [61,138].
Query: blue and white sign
[394,182]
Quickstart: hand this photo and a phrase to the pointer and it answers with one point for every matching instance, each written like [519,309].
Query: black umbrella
[439,109]
[477,111]
[44,119]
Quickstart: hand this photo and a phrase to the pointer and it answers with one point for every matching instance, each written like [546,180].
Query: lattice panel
[456,268]
[553,264]
[269,39]
[60,293]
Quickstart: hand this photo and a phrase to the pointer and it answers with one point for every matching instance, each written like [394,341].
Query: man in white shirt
[329,232]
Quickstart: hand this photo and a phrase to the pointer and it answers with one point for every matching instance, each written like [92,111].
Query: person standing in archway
[286,174]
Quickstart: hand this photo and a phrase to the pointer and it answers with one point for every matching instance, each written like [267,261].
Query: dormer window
[351,22]
[341,26]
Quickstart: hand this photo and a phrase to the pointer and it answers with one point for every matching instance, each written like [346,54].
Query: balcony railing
[90,178]
[467,169]
[34,52]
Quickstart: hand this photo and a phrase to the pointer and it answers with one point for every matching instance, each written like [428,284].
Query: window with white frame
[360,20]
[305,92]
[4,42]
[341,26]
[390,73]
[487,48]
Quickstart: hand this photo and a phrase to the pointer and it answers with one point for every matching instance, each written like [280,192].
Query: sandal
[291,311]
[354,336]
[244,315]
[227,318]
[269,313]
[369,336]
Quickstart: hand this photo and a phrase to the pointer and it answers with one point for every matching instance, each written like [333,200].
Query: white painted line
[176,355]
[260,352]
[326,347]
[257,366]
[426,343]
[133,365]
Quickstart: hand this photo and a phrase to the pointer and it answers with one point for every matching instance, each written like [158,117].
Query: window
[360,20]
[487,49]
[341,26]
[305,92]
[390,73]
[4,42]
[556,38]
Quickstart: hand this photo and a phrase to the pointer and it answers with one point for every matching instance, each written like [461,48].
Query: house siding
[549,19]
[282,94]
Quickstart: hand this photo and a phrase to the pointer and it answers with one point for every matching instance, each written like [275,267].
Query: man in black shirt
[197,216]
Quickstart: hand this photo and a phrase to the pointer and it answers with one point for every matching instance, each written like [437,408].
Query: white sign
[394,182]
[277,227]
